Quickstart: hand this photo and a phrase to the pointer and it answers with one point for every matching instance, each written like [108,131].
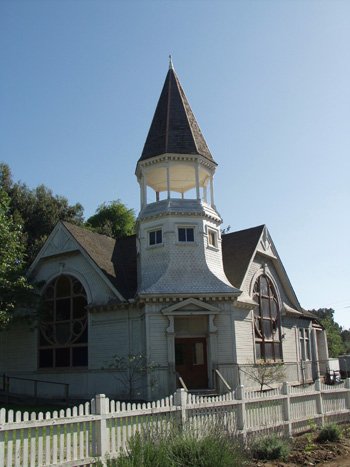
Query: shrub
[270,447]
[185,449]
[213,449]
[330,432]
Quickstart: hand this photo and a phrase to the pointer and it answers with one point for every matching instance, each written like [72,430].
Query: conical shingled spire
[174,128]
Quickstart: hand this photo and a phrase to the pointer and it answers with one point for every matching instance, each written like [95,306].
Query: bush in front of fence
[270,447]
[181,449]
[330,432]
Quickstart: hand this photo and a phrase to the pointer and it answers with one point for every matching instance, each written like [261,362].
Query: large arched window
[266,321]
[63,333]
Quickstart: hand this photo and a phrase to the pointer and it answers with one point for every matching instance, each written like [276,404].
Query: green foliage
[330,432]
[270,448]
[38,210]
[113,219]
[175,449]
[333,330]
[213,449]
[265,372]
[145,452]
[312,424]
[345,335]
[132,371]
[14,287]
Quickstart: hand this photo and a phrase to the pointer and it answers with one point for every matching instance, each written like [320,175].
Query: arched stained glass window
[63,331]
[266,321]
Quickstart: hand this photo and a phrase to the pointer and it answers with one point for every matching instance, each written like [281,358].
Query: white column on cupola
[205,193]
[197,181]
[144,191]
[212,192]
[168,179]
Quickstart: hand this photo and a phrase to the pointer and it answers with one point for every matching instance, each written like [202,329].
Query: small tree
[131,371]
[14,287]
[265,373]
[113,219]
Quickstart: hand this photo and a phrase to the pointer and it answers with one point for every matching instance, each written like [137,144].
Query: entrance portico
[192,343]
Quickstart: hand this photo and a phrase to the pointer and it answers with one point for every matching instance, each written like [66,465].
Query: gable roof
[115,258]
[237,251]
[174,128]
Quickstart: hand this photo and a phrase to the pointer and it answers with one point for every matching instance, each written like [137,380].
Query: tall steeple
[174,128]
[178,227]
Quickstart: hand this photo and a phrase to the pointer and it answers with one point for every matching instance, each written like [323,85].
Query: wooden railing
[225,383]
[182,382]
[6,386]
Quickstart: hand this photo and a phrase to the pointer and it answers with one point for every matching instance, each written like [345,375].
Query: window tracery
[63,330]
[266,321]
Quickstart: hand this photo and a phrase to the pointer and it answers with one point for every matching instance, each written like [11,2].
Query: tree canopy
[113,219]
[14,287]
[333,330]
[38,210]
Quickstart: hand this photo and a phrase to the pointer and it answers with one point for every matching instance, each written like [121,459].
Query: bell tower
[178,227]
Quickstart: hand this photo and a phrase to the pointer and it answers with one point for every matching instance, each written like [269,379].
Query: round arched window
[63,336]
[266,321]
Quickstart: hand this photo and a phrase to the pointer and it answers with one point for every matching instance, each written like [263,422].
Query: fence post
[241,412]
[319,400]
[347,385]
[286,408]
[102,435]
[181,401]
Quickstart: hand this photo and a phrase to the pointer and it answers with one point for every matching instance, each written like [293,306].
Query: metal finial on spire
[171,66]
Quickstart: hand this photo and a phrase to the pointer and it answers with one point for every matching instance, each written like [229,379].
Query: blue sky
[268,81]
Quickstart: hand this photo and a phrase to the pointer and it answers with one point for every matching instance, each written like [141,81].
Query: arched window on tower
[63,330]
[266,321]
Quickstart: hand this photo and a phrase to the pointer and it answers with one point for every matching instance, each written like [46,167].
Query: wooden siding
[243,331]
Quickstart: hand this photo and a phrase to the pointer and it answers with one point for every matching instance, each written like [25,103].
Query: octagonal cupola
[178,227]
[176,168]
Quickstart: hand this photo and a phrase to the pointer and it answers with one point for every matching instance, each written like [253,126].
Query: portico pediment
[190,306]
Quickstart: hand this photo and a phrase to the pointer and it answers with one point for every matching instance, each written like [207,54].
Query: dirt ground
[306,451]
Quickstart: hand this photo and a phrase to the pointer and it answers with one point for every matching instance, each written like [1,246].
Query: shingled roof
[115,258]
[174,128]
[237,251]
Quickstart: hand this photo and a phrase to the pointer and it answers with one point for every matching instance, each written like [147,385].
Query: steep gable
[246,251]
[237,251]
[114,259]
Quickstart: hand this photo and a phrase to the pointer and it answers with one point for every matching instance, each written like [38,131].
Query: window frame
[213,234]
[186,228]
[65,317]
[305,345]
[156,243]
[267,322]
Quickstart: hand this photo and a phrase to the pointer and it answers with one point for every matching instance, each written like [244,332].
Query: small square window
[186,234]
[155,237]
[212,238]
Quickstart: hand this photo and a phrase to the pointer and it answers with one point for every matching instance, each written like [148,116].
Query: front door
[191,361]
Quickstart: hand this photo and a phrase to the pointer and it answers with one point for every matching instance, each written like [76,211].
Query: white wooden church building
[201,305]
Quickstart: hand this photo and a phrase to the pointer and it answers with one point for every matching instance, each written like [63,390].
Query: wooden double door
[191,361]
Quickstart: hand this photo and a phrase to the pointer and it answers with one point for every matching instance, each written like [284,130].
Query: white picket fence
[79,436]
